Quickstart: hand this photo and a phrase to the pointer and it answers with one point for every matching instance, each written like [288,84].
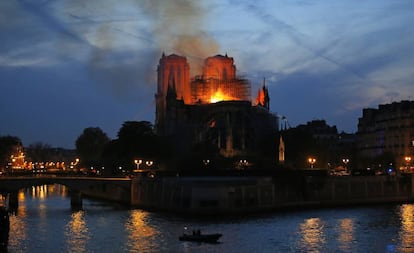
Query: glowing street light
[73,164]
[149,163]
[311,161]
[138,162]
[345,161]
[407,162]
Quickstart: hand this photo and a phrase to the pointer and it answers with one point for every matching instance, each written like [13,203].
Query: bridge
[113,189]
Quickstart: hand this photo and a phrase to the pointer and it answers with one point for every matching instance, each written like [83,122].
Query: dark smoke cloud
[121,72]
[179,26]
[176,26]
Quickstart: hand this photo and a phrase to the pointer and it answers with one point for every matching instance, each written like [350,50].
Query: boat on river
[197,236]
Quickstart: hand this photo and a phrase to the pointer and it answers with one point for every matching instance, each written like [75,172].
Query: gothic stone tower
[219,67]
[173,70]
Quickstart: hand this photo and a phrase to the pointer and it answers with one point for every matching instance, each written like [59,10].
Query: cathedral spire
[262,98]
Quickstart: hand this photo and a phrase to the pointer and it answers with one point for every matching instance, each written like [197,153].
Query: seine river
[44,222]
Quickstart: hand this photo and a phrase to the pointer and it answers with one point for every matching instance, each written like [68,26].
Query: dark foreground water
[45,222]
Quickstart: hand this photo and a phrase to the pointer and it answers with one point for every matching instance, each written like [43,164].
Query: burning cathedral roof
[217,82]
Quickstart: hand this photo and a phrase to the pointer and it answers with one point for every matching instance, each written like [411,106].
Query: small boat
[197,236]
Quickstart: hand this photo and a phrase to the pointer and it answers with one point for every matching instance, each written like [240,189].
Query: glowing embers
[220,96]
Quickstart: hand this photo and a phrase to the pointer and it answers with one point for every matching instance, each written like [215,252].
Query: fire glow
[220,96]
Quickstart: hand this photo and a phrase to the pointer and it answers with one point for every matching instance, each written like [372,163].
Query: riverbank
[246,194]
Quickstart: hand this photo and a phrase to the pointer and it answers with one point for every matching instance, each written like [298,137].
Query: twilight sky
[70,64]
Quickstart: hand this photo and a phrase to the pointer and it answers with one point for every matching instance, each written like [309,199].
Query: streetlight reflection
[346,234]
[407,228]
[141,236]
[19,230]
[77,233]
[313,239]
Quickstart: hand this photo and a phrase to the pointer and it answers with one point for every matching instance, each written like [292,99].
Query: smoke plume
[170,26]
[179,26]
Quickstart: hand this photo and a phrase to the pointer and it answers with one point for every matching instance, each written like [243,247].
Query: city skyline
[69,65]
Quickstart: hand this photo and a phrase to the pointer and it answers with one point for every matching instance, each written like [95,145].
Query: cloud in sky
[67,65]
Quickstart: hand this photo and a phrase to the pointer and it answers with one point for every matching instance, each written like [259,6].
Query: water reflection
[18,223]
[43,191]
[40,192]
[141,235]
[407,228]
[312,237]
[48,225]
[346,234]
[76,233]
[18,228]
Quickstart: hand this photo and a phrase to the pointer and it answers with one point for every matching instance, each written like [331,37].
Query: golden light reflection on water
[18,228]
[40,191]
[21,196]
[19,218]
[18,224]
[312,234]
[76,232]
[140,233]
[406,233]
[346,234]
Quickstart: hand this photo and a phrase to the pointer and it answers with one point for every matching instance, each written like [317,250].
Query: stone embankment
[255,193]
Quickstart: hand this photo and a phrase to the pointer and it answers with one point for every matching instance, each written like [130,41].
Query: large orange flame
[220,96]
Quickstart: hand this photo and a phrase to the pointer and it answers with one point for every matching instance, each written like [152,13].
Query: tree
[135,130]
[137,139]
[9,145]
[39,152]
[90,146]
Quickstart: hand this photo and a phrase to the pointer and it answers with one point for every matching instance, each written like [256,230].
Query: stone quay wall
[211,195]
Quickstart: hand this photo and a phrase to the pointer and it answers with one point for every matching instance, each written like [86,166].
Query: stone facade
[388,129]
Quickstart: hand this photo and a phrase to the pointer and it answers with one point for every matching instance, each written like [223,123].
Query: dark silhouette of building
[320,130]
[330,148]
[388,129]
[212,110]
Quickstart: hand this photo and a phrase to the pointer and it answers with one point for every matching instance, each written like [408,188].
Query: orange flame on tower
[220,96]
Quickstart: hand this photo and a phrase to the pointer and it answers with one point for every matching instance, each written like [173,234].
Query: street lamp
[345,161]
[311,161]
[138,162]
[206,162]
[407,161]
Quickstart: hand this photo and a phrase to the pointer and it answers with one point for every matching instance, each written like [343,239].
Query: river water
[44,222]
